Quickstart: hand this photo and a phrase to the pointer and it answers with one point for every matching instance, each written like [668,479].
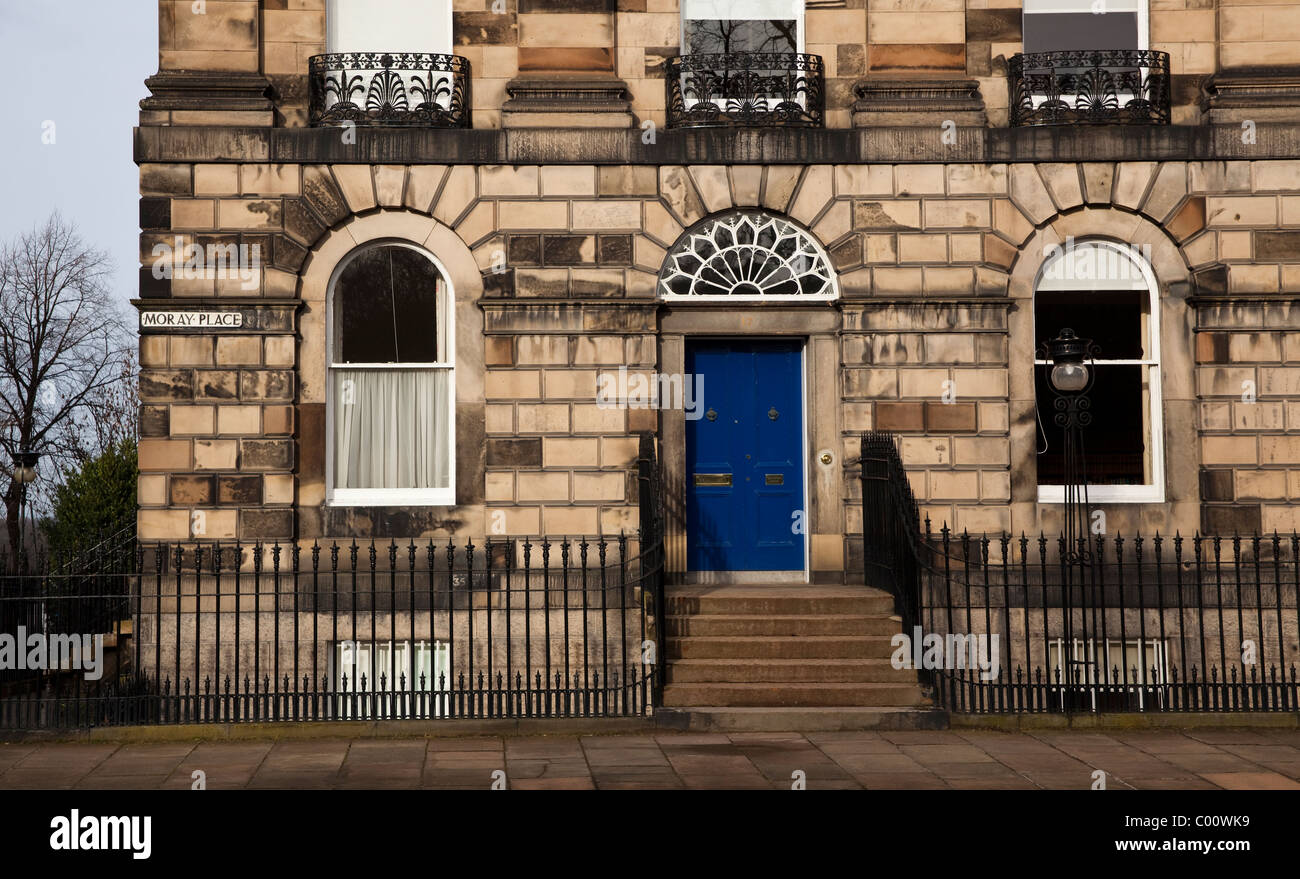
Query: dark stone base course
[717,146]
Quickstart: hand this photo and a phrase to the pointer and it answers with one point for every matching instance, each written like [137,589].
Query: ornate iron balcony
[1095,87]
[390,88]
[746,89]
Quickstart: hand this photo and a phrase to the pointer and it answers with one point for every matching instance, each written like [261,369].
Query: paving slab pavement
[916,759]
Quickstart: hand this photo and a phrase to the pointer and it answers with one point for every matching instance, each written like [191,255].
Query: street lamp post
[1071,378]
[24,474]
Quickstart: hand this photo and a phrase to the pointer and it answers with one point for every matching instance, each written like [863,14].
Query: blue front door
[744,457]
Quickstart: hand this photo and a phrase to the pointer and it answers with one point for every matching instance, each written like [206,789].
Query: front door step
[780,646]
[755,671]
[794,694]
[734,719]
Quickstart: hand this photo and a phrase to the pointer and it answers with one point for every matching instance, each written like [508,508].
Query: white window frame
[796,12]
[1048,7]
[446,309]
[385,16]
[1154,491]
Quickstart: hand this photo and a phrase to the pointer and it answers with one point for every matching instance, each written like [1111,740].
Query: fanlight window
[747,255]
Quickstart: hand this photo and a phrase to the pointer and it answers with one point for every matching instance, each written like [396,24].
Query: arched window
[392,379]
[747,255]
[1105,292]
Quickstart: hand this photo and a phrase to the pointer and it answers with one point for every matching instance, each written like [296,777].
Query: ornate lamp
[24,473]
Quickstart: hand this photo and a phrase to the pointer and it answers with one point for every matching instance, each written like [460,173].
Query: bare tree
[109,416]
[62,340]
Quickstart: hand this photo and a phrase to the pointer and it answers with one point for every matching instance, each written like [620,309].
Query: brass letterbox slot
[774,479]
[713,479]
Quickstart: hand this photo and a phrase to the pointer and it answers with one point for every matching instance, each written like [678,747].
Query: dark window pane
[708,37]
[386,308]
[1113,445]
[1063,31]
[1111,318]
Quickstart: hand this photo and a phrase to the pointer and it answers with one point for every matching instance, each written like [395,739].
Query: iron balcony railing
[1095,87]
[746,89]
[390,88]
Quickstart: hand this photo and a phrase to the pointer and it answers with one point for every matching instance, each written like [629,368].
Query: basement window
[1113,672]
[362,668]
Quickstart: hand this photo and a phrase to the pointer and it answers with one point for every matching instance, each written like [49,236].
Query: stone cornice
[207,91]
[1271,140]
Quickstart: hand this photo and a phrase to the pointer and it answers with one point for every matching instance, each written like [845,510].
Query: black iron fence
[230,633]
[1125,623]
[236,633]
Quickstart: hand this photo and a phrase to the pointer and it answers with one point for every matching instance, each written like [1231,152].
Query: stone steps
[741,671]
[769,719]
[772,600]
[791,625]
[793,694]
[787,648]
[772,647]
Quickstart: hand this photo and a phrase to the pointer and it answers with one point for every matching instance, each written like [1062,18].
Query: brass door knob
[826,457]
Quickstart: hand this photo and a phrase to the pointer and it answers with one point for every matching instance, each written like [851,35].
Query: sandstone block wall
[935,266]
[631,39]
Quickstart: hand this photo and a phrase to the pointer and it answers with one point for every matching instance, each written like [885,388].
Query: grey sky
[80,64]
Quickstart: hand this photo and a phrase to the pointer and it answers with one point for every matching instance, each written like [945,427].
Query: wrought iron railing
[233,633]
[1150,624]
[746,89]
[390,88]
[1103,86]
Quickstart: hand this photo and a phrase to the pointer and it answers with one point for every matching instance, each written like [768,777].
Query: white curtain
[390,428]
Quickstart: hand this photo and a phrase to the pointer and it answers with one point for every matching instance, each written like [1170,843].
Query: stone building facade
[917,165]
